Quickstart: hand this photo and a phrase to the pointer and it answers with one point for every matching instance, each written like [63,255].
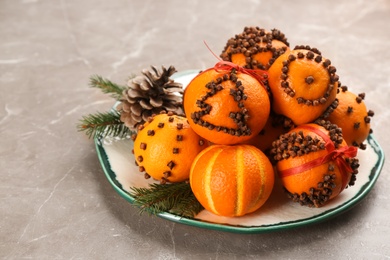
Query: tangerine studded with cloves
[303,84]
[255,48]
[308,175]
[353,117]
[165,147]
[226,107]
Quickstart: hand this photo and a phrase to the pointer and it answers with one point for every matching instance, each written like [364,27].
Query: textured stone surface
[55,202]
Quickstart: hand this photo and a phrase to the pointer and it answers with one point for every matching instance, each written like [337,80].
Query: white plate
[276,214]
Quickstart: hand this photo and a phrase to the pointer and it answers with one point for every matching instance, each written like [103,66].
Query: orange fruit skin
[223,103]
[268,134]
[231,180]
[302,182]
[160,146]
[298,71]
[305,180]
[261,57]
[347,120]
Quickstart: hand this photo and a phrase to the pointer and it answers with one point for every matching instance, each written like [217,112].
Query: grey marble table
[55,202]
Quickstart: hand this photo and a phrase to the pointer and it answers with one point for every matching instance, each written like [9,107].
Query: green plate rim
[364,190]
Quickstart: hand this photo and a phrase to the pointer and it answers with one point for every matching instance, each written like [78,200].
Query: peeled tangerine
[352,116]
[226,106]
[231,180]
[314,163]
[165,147]
[303,84]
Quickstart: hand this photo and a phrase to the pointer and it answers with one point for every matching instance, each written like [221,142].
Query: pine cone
[150,94]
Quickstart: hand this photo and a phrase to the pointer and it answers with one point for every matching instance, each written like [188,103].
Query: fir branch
[176,198]
[107,86]
[103,124]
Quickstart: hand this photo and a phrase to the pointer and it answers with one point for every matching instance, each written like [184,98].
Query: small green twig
[103,124]
[107,86]
[176,198]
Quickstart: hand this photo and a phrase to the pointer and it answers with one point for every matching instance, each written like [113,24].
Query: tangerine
[275,126]
[352,116]
[255,48]
[226,107]
[165,147]
[306,166]
[303,84]
[231,180]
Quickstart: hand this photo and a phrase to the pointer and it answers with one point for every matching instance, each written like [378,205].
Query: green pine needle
[103,124]
[107,86]
[176,198]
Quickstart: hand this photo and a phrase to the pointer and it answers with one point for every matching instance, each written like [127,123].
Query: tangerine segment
[200,176]
[303,85]
[263,178]
[231,180]
[226,108]
[224,183]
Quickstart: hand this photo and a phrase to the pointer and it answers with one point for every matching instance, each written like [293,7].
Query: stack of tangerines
[262,103]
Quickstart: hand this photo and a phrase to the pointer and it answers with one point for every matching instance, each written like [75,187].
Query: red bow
[338,156]
[227,66]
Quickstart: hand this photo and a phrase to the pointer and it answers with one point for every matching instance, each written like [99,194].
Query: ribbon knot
[227,66]
[340,155]
[337,155]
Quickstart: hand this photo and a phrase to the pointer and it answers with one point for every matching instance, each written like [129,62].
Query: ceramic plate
[277,213]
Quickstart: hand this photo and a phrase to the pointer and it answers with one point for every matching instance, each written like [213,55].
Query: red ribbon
[338,156]
[227,66]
